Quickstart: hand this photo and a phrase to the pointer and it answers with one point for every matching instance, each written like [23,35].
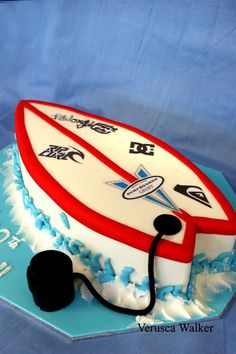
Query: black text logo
[138,148]
[96,126]
[63,153]
[193,192]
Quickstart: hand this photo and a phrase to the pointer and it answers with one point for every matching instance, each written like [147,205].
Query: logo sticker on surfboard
[138,148]
[194,192]
[62,153]
[100,127]
[148,187]
[143,187]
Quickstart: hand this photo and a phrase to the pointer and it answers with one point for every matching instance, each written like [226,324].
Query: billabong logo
[194,192]
[63,153]
[138,148]
[98,127]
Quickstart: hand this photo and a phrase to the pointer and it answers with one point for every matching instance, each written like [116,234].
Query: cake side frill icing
[104,276]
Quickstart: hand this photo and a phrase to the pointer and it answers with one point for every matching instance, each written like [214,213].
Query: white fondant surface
[212,245]
[116,146]
[95,193]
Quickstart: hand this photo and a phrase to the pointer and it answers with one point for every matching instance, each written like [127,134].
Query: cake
[93,188]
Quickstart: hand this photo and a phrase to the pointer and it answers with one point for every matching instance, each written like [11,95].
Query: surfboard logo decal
[143,187]
[63,153]
[146,186]
[98,127]
[139,148]
[194,192]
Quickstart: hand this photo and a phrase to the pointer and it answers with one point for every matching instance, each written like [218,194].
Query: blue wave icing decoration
[94,262]
[108,273]
[125,275]
[144,286]
[85,257]
[65,220]
[226,261]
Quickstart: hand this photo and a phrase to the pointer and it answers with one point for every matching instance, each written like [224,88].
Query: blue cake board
[81,319]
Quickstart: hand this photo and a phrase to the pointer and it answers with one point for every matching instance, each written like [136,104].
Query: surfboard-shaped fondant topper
[117,179]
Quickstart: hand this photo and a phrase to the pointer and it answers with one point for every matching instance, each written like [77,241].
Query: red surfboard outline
[209,225]
[95,221]
[203,224]
[105,226]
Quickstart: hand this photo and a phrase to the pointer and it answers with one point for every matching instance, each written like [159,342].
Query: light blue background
[167,67]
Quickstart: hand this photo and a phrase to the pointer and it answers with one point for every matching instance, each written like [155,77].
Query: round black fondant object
[51,281]
[167,224]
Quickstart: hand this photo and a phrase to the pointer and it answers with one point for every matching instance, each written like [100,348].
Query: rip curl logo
[63,153]
[98,127]
[138,148]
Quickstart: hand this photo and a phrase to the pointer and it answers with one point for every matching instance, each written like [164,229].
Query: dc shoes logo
[63,153]
[138,148]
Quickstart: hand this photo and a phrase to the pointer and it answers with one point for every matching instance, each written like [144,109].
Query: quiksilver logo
[194,192]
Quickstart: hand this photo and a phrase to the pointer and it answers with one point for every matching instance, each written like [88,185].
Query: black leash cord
[51,278]
[120,309]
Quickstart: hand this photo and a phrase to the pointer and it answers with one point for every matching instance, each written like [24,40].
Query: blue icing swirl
[95,264]
[39,224]
[60,239]
[108,273]
[177,291]
[65,244]
[46,221]
[54,232]
[108,266]
[42,221]
[105,277]
[74,246]
[85,257]
[162,292]
[144,286]
[35,212]
[65,220]
[125,275]
[17,172]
